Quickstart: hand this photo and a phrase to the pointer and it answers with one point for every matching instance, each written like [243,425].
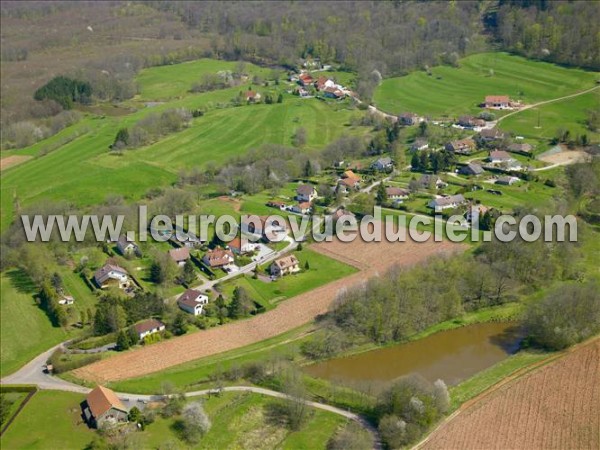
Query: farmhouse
[419,144]
[471,169]
[102,406]
[240,246]
[180,255]
[192,301]
[276,204]
[396,193]
[218,258]
[283,266]
[252,96]
[383,164]
[342,213]
[442,203]
[306,193]
[409,118]
[111,275]
[499,156]
[470,122]
[301,208]
[426,181]
[507,181]
[266,228]
[461,146]
[148,327]
[493,134]
[305,79]
[497,102]
[333,92]
[126,247]
[520,148]
[324,82]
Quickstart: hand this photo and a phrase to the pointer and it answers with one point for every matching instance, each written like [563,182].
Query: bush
[65,91]
[565,317]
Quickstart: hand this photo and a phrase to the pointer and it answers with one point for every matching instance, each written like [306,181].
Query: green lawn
[569,114]
[322,270]
[51,420]
[455,91]
[26,330]
[165,82]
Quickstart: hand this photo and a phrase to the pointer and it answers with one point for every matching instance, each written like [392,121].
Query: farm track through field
[554,403]
[375,258]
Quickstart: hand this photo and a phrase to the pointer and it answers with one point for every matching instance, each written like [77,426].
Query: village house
[521,148]
[492,134]
[507,181]
[470,122]
[383,164]
[127,248]
[266,228]
[284,266]
[306,193]
[276,204]
[475,209]
[148,327]
[426,181]
[303,93]
[180,255]
[462,146]
[240,246]
[441,203]
[111,275]
[324,82]
[305,79]
[497,102]
[350,180]
[342,213]
[499,156]
[302,208]
[409,118]
[252,96]
[192,301]
[396,193]
[471,169]
[103,407]
[218,258]
[333,92]
[419,144]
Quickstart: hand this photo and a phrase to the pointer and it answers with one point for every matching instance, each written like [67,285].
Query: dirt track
[13,160]
[371,259]
[555,406]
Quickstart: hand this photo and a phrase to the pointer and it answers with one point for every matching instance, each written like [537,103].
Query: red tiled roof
[101,399]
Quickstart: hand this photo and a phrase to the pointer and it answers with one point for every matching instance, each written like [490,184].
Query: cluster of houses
[326,86]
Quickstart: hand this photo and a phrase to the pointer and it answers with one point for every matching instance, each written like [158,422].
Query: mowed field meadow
[453,91]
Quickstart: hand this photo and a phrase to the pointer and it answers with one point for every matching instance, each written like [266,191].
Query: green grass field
[166,82]
[455,91]
[567,114]
[26,330]
[56,419]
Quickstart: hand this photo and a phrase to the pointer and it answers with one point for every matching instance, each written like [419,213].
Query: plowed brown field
[554,407]
[370,258]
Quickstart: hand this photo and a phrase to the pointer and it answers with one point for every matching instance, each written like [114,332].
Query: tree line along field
[453,91]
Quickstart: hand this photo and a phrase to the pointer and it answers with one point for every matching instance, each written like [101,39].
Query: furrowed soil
[13,160]
[370,258]
[555,406]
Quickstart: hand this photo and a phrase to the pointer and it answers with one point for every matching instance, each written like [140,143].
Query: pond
[452,355]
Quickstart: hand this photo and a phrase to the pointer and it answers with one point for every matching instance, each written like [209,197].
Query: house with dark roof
[499,156]
[192,301]
[180,255]
[492,134]
[409,118]
[148,327]
[396,193]
[125,247]
[521,148]
[427,181]
[471,169]
[419,144]
[284,266]
[385,163]
[470,122]
[110,275]
[306,193]
[103,407]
